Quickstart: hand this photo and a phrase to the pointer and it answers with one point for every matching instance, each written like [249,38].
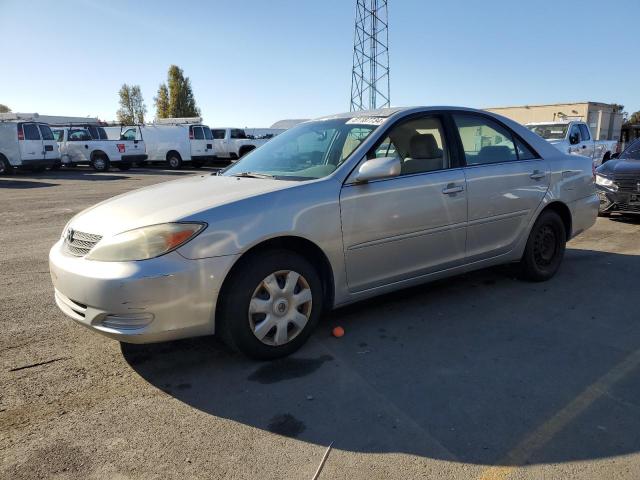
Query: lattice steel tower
[370,75]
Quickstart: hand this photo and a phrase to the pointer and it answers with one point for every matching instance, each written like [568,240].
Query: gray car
[333,211]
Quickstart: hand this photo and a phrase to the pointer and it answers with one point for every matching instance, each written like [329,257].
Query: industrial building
[604,119]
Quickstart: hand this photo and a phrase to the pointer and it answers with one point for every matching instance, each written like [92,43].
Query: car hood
[620,167]
[170,202]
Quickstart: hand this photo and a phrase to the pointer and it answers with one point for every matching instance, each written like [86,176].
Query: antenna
[370,87]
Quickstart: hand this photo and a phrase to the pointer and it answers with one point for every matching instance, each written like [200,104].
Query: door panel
[502,199]
[31,147]
[403,227]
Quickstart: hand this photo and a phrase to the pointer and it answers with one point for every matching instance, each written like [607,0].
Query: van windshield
[309,151]
[551,131]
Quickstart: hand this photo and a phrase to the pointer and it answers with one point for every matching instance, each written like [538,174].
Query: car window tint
[218,134]
[207,133]
[31,131]
[419,144]
[238,133]
[484,141]
[584,133]
[46,132]
[524,152]
[102,133]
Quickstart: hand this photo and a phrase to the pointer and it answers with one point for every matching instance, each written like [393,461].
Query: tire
[248,286]
[545,248]
[124,166]
[5,166]
[244,151]
[174,162]
[100,163]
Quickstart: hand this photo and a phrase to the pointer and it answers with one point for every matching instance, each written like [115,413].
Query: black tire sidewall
[233,323]
[530,269]
[178,162]
[106,164]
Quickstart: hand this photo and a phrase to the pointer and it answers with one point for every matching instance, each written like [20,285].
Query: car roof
[401,111]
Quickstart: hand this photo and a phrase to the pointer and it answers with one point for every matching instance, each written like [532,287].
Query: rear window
[218,134]
[102,133]
[207,133]
[46,132]
[197,133]
[31,131]
[238,133]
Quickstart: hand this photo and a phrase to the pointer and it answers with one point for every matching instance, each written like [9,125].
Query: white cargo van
[26,143]
[175,141]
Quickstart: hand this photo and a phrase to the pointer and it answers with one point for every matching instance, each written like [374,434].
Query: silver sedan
[333,211]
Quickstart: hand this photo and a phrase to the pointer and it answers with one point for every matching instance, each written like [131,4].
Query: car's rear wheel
[5,166]
[545,248]
[270,305]
[174,161]
[100,163]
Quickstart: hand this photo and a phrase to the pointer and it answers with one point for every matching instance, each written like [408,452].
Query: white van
[26,143]
[175,141]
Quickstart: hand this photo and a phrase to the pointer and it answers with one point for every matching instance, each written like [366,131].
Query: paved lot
[480,376]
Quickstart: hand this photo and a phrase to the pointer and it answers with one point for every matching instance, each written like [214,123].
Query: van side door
[49,144]
[198,142]
[31,145]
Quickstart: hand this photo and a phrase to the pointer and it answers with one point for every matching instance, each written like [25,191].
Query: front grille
[628,184]
[625,207]
[80,243]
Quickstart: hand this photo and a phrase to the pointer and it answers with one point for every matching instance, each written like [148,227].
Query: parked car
[618,182]
[26,143]
[234,143]
[328,213]
[575,137]
[175,141]
[89,144]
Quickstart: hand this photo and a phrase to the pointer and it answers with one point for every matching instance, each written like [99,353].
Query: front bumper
[165,298]
[615,201]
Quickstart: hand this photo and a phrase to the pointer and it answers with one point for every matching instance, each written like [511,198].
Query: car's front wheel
[545,248]
[270,304]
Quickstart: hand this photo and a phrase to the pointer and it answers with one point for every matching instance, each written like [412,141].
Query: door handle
[86,146]
[537,175]
[452,188]
[584,146]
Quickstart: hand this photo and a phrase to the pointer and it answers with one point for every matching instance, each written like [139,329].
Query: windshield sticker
[366,120]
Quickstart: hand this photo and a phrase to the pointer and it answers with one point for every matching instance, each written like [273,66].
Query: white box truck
[26,143]
[175,141]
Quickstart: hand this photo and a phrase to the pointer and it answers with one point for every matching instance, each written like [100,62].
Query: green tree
[634,118]
[162,101]
[4,109]
[132,108]
[182,102]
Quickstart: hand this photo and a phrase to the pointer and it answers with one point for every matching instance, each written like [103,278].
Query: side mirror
[615,155]
[377,169]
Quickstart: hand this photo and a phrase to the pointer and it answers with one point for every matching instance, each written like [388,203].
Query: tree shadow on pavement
[469,369]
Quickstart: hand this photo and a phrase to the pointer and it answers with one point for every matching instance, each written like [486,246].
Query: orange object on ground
[338,332]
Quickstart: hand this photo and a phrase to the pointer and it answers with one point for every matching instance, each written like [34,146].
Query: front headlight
[605,182]
[144,243]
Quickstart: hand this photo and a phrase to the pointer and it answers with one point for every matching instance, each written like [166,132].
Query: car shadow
[468,369]
[18,184]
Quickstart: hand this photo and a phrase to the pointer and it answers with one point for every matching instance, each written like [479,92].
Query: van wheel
[100,163]
[270,305]
[545,248]
[5,166]
[174,161]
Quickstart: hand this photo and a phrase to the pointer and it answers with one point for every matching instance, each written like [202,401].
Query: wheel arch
[564,212]
[245,149]
[95,153]
[171,152]
[303,247]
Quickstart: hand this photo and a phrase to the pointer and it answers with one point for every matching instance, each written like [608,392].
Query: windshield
[309,151]
[632,151]
[550,131]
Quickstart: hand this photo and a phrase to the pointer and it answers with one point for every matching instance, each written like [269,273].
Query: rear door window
[238,133]
[218,134]
[484,141]
[31,131]
[79,135]
[46,132]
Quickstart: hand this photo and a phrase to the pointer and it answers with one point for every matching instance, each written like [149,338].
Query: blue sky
[254,62]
